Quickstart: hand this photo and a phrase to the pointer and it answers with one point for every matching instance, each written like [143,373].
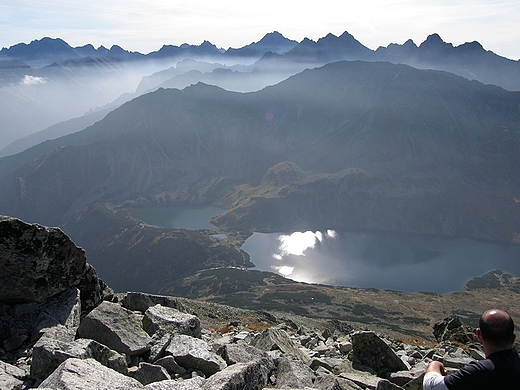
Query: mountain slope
[405,128]
[469,60]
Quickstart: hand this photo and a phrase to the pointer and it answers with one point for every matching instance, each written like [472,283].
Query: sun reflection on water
[298,244]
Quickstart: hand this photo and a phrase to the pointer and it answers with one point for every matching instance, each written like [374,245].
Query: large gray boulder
[371,351]
[190,352]
[148,373]
[117,328]
[158,346]
[240,353]
[88,374]
[161,319]
[49,353]
[326,380]
[242,376]
[363,379]
[23,324]
[138,301]
[38,262]
[293,373]
[277,339]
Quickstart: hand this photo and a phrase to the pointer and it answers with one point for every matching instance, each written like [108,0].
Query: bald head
[497,328]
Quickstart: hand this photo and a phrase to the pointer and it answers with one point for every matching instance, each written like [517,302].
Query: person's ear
[479,334]
[514,339]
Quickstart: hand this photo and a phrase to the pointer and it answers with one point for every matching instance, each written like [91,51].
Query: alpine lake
[366,259]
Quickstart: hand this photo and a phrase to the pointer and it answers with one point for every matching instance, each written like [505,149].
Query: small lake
[382,260]
[178,217]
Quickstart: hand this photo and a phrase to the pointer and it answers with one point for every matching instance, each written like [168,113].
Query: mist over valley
[283,137]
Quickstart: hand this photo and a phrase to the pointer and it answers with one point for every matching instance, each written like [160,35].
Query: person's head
[496,328]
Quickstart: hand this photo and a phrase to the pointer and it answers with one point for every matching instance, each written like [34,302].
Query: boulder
[88,374]
[240,353]
[86,348]
[148,373]
[361,378]
[117,328]
[402,378]
[293,373]
[344,346]
[38,262]
[138,301]
[161,319]
[244,376]
[371,351]
[188,384]
[330,364]
[452,329]
[328,381]
[190,352]
[158,346]
[277,339]
[61,309]
[11,377]
[171,366]
[49,353]
[24,323]
[456,358]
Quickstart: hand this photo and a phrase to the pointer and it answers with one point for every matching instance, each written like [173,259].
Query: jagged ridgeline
[61,327]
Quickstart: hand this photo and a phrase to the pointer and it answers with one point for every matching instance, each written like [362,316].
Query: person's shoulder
[479,365]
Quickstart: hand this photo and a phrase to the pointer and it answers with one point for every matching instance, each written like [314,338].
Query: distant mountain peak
[274,38]
[472,46]
[347,35]
[46,44]
[207,43]
[271,42]
[328,36]
[409,43]
[434,40]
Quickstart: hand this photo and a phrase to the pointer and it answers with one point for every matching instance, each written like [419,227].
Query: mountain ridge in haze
[33,98]
[327,49]
[417,137]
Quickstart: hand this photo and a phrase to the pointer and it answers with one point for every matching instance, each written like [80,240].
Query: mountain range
[395,124]
[357,144]
[48,81]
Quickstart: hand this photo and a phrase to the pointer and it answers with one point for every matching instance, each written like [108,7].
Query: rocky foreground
[61,327]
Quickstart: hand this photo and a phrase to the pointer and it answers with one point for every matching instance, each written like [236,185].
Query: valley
[396,144]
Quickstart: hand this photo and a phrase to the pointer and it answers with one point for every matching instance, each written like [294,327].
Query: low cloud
[33,80]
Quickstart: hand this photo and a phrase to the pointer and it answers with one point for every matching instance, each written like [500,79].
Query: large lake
[382,260]
[178,217]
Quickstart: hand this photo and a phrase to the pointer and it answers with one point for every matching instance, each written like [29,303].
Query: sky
[145,26]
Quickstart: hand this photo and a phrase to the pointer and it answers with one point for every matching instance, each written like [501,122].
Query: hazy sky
[144,25]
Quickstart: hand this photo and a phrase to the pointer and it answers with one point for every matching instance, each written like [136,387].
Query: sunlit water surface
[382,260]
